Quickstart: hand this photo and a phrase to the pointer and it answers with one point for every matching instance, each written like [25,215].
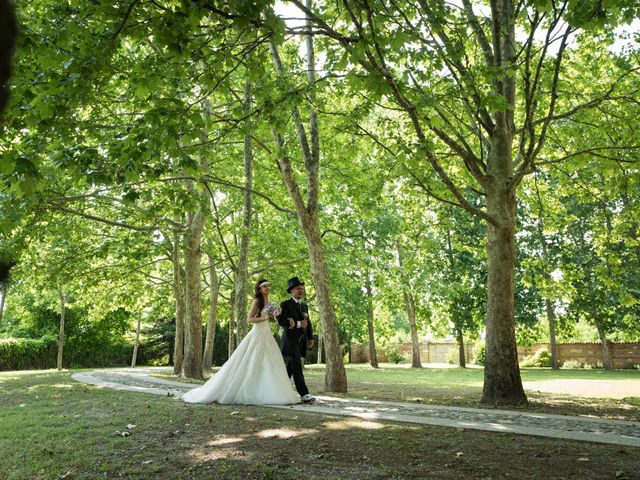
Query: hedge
[41,353]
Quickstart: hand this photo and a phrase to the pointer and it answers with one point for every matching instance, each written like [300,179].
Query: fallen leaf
[130,426]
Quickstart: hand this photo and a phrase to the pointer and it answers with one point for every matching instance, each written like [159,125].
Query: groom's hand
[292,323]
[310,344]
[303,324]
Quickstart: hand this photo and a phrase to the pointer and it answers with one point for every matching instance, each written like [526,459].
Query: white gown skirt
[255,374]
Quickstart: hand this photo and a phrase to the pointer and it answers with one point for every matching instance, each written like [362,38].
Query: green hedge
[28,353]
[33,354]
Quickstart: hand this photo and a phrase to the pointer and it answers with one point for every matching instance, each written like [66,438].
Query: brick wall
[623,355]
[429,352]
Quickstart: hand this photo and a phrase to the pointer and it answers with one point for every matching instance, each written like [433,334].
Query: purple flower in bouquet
[272,309]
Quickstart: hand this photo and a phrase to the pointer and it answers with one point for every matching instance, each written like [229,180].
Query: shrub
[572,364]
[28,353]
[479,354]
[393,353]
[542,358]
[453,356]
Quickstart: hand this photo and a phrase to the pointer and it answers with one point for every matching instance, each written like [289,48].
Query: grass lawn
[566,392]
[52,427]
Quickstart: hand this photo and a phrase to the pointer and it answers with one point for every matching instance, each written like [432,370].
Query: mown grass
[53,428]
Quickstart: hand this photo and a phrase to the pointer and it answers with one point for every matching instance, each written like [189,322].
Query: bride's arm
[253,318]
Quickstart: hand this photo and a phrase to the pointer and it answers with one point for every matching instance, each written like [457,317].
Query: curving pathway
[557,426]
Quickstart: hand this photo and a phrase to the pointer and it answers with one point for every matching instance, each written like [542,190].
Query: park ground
[52,427]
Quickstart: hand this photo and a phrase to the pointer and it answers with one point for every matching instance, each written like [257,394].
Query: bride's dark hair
[258,294]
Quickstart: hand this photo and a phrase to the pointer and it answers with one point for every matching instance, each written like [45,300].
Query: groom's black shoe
[308,398]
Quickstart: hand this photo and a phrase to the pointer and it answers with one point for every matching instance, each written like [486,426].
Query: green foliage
[479,354]
[541,358]
[393,352]
[453,356]
[28,353]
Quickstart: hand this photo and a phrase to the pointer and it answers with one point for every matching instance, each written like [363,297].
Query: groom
[297,335]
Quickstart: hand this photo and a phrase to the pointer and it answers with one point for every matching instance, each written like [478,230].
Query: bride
[255,374]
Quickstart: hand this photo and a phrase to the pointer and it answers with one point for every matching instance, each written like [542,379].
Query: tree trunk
[462,360]
[2,300]
[135,342]
[320,346]
[243,259]
[606,353]
[61,331]
[410,305]
[211,323]
[192,363]
[179,296]
[551,314]
[502,382]
[373,357]
[232,324]
[335,377]
[415,341]
[551,317]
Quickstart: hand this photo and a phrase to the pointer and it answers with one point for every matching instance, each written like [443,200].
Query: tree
[478,112]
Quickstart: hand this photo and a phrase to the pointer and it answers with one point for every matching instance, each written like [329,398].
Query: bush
[28,353]
[571,364]
[479,354]
[40,353]
[453,356]
[542,358]
[393,353]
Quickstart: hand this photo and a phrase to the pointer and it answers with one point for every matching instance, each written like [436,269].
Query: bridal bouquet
[272,309]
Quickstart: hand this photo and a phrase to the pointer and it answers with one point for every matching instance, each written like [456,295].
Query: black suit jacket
[294,340]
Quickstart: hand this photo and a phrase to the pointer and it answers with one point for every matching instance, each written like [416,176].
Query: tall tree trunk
[61,330]
[243,259]
[373,356]
[502,382]
[211,323]
[606,353]
[551,314]
[320,346]
[462,358]
[551,318]
[335,377]
[410,305]
[2,300]
[462,361]
[415,341]
[232,324]
[192,363]
[179,296]
[134,357]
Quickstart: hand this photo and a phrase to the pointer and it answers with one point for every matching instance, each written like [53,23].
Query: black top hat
[293,282]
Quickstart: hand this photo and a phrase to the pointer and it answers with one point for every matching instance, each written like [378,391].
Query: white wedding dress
[255,374]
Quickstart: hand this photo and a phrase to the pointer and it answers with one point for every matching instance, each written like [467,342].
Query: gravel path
[557,426]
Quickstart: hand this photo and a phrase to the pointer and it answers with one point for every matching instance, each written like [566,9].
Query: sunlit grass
[52,427]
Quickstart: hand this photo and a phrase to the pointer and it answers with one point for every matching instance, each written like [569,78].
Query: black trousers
[294,368]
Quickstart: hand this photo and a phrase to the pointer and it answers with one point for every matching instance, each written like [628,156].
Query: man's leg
[287,362]
[298,376]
